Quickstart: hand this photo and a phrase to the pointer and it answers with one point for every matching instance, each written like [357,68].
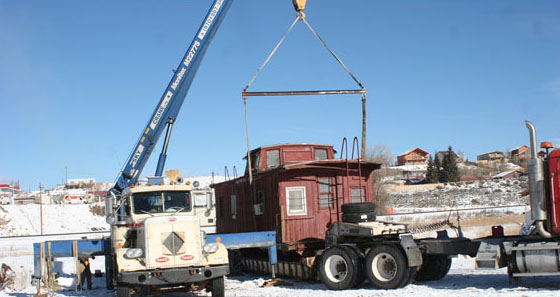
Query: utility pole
[66,174]
[41,205]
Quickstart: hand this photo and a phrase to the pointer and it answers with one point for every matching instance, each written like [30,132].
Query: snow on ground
[462,280]
[483,193]
[57,218]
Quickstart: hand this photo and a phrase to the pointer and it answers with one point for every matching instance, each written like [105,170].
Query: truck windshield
[161,202]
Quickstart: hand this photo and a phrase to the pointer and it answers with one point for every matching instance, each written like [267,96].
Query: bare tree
[382,198]
[380,153]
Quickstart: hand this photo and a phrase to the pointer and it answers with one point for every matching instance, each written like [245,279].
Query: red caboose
[297,191]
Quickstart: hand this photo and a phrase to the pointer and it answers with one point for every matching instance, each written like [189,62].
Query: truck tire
[412,271]
[218,288]
[358,255]
[359,207]
[386,267]
[123,290]
[338,268]
[433,267]
[358,217]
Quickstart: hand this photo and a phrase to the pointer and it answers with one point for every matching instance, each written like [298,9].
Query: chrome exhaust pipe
[536,184]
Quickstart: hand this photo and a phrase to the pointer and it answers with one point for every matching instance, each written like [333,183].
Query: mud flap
[411,250]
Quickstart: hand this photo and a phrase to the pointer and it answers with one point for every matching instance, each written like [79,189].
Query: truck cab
[157,241]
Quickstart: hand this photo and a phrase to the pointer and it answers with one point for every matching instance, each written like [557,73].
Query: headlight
[210,248]
[133,253]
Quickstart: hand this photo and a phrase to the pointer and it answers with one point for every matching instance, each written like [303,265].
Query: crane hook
[299,6]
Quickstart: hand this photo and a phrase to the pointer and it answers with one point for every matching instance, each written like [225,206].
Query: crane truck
[156,237]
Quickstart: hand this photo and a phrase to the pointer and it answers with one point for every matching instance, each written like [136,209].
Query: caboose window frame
[289,208]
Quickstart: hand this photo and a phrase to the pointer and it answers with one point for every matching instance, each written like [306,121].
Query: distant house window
[320,154]
[357,195]
[325,192]
[272,158]
[234,206]
[296,201]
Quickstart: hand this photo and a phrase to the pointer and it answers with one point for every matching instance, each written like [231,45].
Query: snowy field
[484,193]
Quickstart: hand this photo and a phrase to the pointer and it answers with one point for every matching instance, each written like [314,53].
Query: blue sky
[79,80]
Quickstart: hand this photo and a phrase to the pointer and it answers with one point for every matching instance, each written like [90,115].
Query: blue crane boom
[171,101]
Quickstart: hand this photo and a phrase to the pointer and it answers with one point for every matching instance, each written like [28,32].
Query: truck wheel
[433,267]
[358,217]
[386,267]
[412,271]
[218,288]
[338,269]
[360,207]
[356,254]
[123,291]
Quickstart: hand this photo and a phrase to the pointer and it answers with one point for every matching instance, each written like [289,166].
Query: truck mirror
[209,200]
[109,208]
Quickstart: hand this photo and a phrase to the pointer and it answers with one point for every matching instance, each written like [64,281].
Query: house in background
[441,155]
[520,155]
[510,174]
[413,165]
[415,156]
[495,157]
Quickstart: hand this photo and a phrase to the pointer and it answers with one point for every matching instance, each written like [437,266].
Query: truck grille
[173,242]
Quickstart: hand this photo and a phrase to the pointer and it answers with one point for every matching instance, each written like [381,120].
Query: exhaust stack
[536,184]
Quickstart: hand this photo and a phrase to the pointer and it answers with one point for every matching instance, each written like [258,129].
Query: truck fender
[411,250]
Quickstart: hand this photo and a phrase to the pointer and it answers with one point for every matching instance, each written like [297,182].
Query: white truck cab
[157,241]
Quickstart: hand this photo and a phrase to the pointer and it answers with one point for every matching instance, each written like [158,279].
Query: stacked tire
[358,212]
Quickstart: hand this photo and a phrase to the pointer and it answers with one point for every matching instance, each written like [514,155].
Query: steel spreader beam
[296,93]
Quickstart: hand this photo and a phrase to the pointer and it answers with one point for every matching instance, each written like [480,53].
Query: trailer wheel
[412,271]
[218,288]
[386,267]
[358,255]
[433,267]
[338,269]
[358,217]
[123,290]
[359,207]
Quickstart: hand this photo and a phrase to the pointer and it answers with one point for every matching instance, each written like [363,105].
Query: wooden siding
[273,184]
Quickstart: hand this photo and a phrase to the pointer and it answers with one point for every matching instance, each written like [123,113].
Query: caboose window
[234,206]
[357,195]
[295,200]
[320,154]
[272,158]
[325,192]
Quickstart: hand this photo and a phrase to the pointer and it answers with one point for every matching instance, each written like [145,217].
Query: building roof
[520,148]
[416,149]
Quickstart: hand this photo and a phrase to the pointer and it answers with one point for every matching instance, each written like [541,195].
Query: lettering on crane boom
[161,109]
[178,78]
[191,53]
[136,155]
[210,19]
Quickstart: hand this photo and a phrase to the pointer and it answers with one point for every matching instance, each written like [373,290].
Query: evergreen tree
[431,172]
[437,169]
[443,172]
[450,171]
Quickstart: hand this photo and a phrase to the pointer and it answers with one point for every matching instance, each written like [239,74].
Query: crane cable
[299,17]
